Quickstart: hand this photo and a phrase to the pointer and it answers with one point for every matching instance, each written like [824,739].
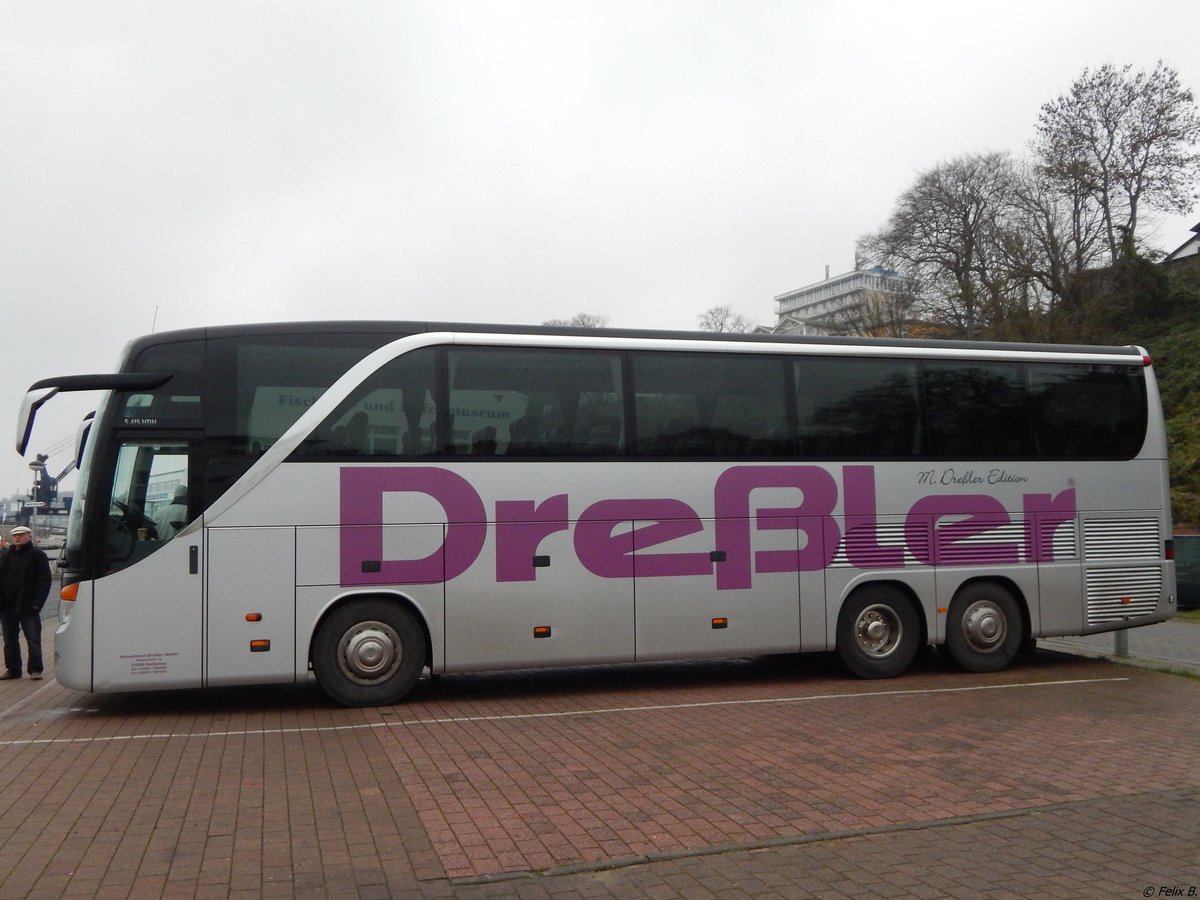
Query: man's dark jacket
[24,578]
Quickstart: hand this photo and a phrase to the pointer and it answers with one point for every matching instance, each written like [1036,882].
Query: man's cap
[21,529]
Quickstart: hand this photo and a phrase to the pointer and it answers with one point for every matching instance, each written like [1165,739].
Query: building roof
[1190,247]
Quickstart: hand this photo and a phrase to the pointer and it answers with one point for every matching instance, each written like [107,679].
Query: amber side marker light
[720,622]
[260,646]
[541,631]
[69,592]
[253,617]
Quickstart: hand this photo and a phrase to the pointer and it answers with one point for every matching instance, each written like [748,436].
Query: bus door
[715,611]
[147,600]
[250,605]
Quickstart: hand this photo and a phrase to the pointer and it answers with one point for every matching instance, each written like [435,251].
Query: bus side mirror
[81,436]
[33,400]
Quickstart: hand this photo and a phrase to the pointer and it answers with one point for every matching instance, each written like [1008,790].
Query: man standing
[24,586]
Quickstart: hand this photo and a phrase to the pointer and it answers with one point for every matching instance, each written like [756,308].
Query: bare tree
[723,320]
[580,320]
[942,237]
[1048,240]
[1124,140]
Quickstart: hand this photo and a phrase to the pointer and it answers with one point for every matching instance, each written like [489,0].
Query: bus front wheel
[984,630]
[878,633]
[368,653]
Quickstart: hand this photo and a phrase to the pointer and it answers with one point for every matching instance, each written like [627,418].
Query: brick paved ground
[1060,777]
[1099,848]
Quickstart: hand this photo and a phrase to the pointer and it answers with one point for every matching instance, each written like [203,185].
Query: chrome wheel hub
[369,652]
[984,626]
[878,631]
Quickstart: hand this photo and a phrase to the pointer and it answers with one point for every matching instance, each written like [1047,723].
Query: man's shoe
[9,675]
[36,676]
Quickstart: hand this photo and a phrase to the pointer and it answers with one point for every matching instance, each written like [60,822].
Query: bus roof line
[1130,356]
[411,328]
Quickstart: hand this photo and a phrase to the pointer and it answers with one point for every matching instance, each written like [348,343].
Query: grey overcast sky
[172,164]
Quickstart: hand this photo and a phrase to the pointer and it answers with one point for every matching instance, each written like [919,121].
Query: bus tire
[369,652]
[878,632]
[984,631]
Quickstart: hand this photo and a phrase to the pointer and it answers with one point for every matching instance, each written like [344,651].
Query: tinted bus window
[259,386]
[533,403]
[700,404]
[276,383]
[1091,412]
[855,408]
[391,414]
[178,403]
[976,410]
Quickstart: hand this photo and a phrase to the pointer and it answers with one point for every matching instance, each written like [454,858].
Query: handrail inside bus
[41,391]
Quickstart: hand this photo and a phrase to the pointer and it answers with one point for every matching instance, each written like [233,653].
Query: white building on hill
[865,301]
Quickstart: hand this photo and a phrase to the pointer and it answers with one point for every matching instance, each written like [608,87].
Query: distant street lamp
[39,467]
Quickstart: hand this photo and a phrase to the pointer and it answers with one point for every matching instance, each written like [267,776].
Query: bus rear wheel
[984,630]
[368,653]
[878,633]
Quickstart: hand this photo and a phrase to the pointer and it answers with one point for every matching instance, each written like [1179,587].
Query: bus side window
[856,408]
[148,503]
[1093,412]
[391,414]
[534,402]
[976,410]
[711,405]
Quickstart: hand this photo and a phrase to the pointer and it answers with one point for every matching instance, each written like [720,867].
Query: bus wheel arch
[369,650]
[986,624]
[880,629]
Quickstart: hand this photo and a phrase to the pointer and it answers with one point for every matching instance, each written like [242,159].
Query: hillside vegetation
[1172,336]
